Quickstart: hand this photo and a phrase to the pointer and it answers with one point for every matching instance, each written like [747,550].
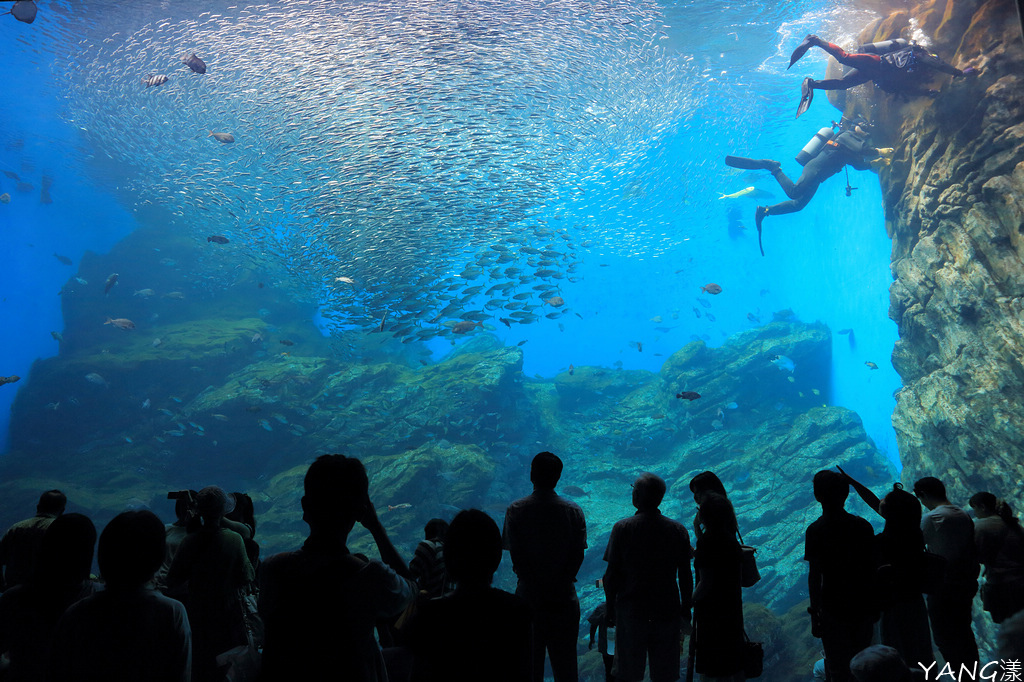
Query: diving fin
[751,164]
[759,215]
[801,49]
[806,96]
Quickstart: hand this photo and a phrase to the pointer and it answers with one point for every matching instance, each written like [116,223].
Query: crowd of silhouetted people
[193,600]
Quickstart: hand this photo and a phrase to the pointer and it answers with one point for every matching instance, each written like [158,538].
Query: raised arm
[869,497]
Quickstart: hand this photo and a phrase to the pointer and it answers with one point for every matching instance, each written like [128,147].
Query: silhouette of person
[213,563]
[717,597]
[700,485]
[20,544]
[319,603]
[29,612]
[899,549]
[128,631]
[186,520]
[598,620]
[1000,541]
[879,663]
[546,535]
[428,563]
[896,66]
[648,586]
[839,548]
[453,637]
[949,532]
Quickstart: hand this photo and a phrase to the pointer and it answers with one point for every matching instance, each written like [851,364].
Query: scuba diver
[823,156]
[896,66]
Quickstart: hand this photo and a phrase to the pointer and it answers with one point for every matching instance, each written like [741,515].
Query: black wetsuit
[847,148]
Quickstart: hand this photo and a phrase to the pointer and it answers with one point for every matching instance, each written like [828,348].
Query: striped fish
[154,79]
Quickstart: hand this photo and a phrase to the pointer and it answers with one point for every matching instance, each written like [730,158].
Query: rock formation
[954,201]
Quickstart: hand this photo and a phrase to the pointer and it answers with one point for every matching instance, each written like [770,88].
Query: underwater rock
[954,198]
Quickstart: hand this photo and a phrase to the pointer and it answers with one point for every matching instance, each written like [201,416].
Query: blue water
[669,235]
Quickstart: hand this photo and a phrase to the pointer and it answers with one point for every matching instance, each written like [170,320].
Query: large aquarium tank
[443,236]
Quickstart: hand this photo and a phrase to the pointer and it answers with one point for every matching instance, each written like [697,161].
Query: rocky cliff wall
[954,202]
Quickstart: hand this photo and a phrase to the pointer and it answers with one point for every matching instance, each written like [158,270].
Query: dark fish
[9,380]
[871,365]
[846,331]
[63,259]
[574,491]
[755,319]
[24,11]
[522,342]
[121,323]
[226,138]
[24,187]
[507,322]
[11,175]
[711,318]
[688,395]
[712,289]
[286,342]
[111,281]
[194,63]
[465,326]
[154,79]
[217,239]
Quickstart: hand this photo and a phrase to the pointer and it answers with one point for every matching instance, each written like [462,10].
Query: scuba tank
[815,145]
[884,46]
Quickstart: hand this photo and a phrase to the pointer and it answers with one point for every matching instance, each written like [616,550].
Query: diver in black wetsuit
[824,156]
[895,66]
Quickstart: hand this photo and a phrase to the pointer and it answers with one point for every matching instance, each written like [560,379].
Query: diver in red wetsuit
[895,66]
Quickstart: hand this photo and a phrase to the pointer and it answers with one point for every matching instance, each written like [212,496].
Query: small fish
[753,318]
[688,395]
[146,403]
[257,337]
[556,301]
[401,505]
[111,281]
[81,281]
[57,336]
[711,317]
[220,417]
[11,379]
[846,331]
[226,138]
[871,365]
[465,326]
[194,63]
[717,425]
[63,259]
[94,378]
[217,239]
[696,311]
[5,198]
[571,369]
[176,295]
[144,293]
[574,491]
[165,411]
[157,342]
[346,280]
[121,323]
[731,406]
[265,425]
[286,342]
[505,321]
[175,398]
[522,342]
[154,79]
[783,363]
[712,289]
[280,418]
